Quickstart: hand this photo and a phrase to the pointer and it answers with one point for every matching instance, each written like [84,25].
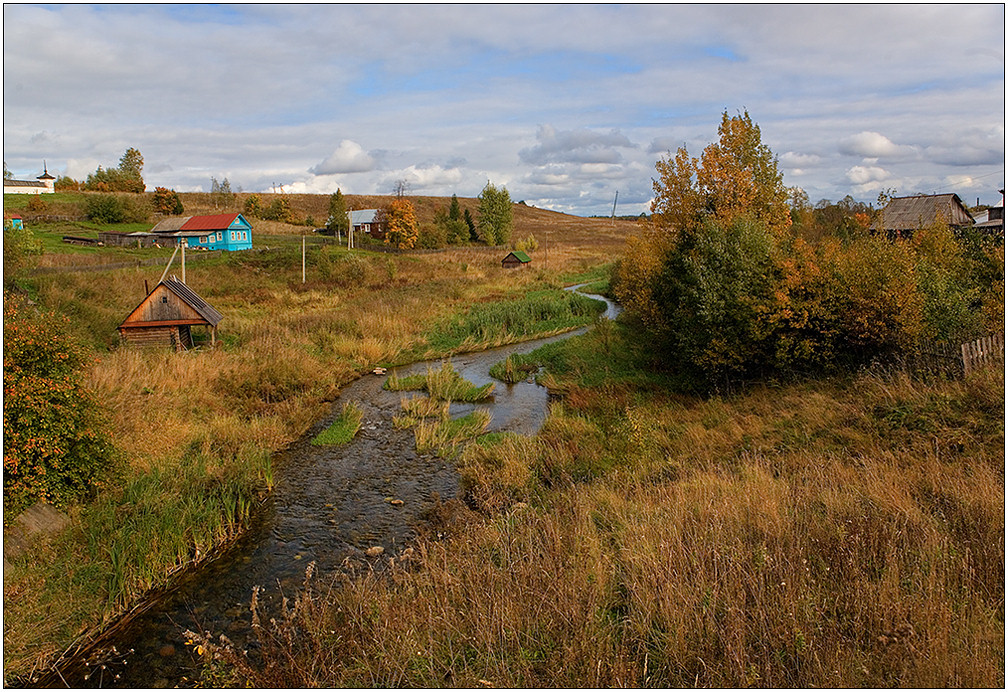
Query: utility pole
[613,216]
[349,235]
[302,258]
[183,242]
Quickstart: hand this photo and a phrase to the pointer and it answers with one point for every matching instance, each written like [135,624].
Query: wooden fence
[987,350]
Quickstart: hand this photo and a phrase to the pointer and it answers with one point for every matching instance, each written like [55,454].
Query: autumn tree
[167,202]
[56,448]
[495,213]
[65,183]
[400,223]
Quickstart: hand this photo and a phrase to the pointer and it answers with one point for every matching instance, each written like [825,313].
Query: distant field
[563,239]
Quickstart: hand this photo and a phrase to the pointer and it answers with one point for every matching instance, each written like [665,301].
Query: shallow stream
[329,505]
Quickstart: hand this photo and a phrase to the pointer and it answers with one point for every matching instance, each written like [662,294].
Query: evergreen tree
[337,221]
[470,224]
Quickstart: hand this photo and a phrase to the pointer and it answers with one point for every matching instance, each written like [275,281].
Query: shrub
[279,210]
[432,236]
[253,205]
[36,204]
[19,247]
[104,209]
[55,447]
[167,201]
[529,244]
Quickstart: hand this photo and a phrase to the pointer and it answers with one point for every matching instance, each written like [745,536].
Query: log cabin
[166,317]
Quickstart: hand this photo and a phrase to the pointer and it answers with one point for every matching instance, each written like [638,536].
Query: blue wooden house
[213,232]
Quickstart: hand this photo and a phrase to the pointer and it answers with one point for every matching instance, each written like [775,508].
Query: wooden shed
[904,215]
[167,315]
[516,260]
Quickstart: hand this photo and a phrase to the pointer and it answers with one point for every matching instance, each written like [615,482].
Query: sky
[564,105]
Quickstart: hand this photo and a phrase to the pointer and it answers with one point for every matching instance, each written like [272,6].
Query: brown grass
[286,348]
[839,535]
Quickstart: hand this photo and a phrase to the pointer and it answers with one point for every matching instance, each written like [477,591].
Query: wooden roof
[186,307]
[918,211]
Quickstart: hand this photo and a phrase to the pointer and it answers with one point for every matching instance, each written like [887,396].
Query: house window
[164,299]
[232,235]
[220,235]
[202,239]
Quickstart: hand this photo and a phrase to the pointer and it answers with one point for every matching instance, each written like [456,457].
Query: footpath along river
[329,505]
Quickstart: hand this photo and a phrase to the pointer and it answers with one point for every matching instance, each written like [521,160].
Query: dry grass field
[286,349]
[845,532]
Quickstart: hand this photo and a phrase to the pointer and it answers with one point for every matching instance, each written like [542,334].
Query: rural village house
[991,220]
[213,232]
[516,260]
[45,184]
[904,215]
[167,315]
[367,221]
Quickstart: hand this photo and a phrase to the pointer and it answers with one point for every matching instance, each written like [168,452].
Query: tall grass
[445,384]
[505,321]
[841,533]
[284,350]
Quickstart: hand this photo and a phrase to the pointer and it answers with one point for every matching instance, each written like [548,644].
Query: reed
[841,532]
[443,435]
[441,385]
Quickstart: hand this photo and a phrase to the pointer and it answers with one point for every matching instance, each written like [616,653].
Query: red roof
[214,222]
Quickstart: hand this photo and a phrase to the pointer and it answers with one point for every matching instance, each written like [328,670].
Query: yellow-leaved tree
[401,228]
[735,179]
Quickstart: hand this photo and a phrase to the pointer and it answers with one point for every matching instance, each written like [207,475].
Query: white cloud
[460,94]
[875,145]
[795,160]
[859,175]
[349,157]
[426,178]
[575,146]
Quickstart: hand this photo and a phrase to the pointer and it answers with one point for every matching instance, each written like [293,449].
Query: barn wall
[151,336]
[155,309]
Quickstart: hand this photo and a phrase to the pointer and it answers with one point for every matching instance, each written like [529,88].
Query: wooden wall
[161,306]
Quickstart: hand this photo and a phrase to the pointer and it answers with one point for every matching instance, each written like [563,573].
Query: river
[330,505]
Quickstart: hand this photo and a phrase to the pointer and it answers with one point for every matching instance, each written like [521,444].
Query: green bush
[104,209]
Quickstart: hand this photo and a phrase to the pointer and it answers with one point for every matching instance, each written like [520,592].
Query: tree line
[739,277]
[400,228]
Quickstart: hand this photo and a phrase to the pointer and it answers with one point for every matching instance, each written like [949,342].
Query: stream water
[329,505]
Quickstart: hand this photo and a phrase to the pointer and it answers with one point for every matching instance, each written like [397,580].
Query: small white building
[45,184]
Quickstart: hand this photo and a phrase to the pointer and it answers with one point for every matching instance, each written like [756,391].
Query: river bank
[329,506]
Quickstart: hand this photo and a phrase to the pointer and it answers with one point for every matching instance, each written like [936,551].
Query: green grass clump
[343,428]
[516,367]
[444,435]
[501,322]
[442,385]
